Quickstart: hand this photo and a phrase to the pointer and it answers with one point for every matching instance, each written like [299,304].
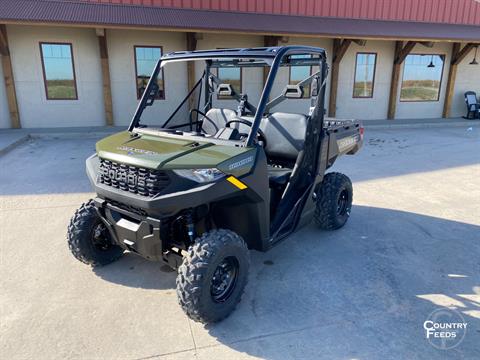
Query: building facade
[84,63]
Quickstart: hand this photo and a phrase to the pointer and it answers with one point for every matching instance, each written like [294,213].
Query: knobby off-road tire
[198,281]
[334,201]
[89,240]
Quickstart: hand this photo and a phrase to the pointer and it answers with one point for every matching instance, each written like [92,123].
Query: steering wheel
[261,134]
[204,117]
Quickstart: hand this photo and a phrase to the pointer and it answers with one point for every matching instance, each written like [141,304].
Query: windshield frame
[272,57]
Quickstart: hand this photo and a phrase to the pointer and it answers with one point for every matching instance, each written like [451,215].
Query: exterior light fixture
[431,65]
[474,61]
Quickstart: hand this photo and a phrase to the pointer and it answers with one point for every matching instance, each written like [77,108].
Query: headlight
[200,175]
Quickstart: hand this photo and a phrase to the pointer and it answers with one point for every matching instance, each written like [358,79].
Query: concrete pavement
[364,291]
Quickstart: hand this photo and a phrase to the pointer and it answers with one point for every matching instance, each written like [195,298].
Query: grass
[420,90]
[419,94]
[363,89]
[61,89]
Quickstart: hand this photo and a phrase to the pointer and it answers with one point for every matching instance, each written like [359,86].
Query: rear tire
[334,201]
[213,275]
[89,240]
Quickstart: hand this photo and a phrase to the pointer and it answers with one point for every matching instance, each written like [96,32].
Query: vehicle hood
[159,152]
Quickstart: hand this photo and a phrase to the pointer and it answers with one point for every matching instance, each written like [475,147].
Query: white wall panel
[35,110]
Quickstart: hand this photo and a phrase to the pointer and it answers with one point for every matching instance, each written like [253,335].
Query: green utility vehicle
[199,188]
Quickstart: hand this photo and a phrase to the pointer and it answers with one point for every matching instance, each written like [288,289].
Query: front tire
[89,240]
[334,201]
[213,275]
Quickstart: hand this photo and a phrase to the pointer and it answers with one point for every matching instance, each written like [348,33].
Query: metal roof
[111,15]
[465,12]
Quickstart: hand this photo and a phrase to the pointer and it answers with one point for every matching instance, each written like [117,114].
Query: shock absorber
[190,226]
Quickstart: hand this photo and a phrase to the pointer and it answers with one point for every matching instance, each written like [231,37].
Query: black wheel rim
[101,237]
[342,203]
[224,279]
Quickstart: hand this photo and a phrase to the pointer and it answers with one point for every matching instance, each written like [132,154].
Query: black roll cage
[269,56]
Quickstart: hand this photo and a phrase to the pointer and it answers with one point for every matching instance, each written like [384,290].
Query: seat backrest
[285,135]
[470,98]
[285,132]
[219,118]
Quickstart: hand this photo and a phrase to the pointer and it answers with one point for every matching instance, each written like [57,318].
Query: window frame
[225,97]
[306,96]
[45,74]
[355,74]
[136,70]
[439,85]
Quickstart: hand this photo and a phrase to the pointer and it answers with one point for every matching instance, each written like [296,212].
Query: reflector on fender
[236,182]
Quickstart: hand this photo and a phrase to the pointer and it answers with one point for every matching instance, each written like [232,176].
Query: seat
[278,177]
[219,118]
[473,106]
[284,132]
[285,135]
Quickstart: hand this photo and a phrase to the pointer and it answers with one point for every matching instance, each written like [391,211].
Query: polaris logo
[240,163]
[122,177]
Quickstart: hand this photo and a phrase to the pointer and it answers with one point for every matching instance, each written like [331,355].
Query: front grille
[137,180]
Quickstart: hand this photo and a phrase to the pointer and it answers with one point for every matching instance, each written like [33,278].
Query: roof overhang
[75,13]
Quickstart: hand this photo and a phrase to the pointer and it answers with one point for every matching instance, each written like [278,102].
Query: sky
[146,60]
[415,67]
[57,59]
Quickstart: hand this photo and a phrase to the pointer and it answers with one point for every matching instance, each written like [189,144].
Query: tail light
[362,131]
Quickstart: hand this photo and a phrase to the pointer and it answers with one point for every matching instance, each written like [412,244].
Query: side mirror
[293,92]
[225,90]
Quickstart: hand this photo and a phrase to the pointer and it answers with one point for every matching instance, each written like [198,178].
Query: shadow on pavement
[133,271]
[362,291]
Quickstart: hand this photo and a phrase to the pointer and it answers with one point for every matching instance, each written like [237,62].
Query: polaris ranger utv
[199,194]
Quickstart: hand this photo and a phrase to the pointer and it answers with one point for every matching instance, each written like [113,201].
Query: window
[146,57]
[422,76]
[58,71]
[364,75]
[299,73]
[232,76]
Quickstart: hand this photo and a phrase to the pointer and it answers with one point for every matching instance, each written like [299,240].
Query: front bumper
[131,231]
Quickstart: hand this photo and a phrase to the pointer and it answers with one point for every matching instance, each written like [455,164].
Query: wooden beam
[401,53]
[460,55]
[107,88]
[3,41]
[428,44]
[191,45]
[9,79]
[340,47]
[452,75]
[270,41]
[360,42]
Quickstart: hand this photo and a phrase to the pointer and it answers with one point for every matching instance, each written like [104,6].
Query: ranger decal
[240,163]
